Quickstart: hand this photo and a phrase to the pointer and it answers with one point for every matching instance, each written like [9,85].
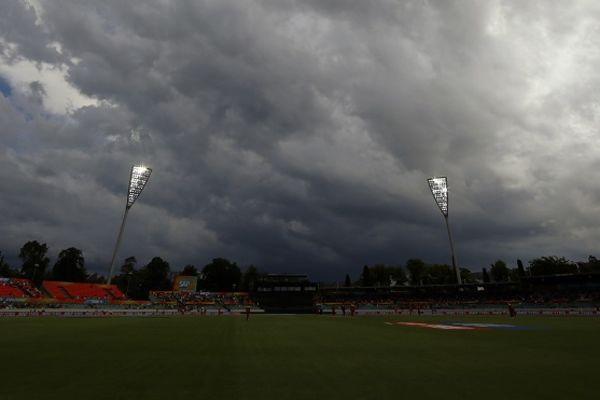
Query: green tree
[484,276]
[365,278]
[592,265]
[95,278]
[439,274]
[380,275]
[128,265]
[221,275]
[520,269]
[347,281]
[124,279]
[70,266]
[138,284]
[386,275]
[250,279]
[499,271]
[416,270]
[466,276]
[35,262]
[189,270]
[133,285]
[156,275]
[551,266]
[397,275]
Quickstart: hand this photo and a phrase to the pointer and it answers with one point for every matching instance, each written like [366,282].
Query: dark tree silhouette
[466,276]
[221,275]
[520,269]
[70,266]
[484,276]
[592,265]
[189,270]
[551,266]
[347,281]
[439,274]
[416,270]
[128,265]
[499,271]
[35,262]
[365,278]
[156,275]
[386,275]
[250,278]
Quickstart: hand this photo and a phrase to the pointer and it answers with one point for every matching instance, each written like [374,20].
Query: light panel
[138,179]
[439,189]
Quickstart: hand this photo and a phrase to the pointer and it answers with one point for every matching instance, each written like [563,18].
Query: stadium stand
[10,291]
[564,291]
[285,293]
[226,300]
[18,288]
[70,292]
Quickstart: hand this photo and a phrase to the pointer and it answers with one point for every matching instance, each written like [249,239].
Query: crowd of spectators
[184,297]
[556,298]
[224,299]
[534,294]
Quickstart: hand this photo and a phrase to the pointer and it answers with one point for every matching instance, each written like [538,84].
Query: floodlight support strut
[456,270]
[116,250]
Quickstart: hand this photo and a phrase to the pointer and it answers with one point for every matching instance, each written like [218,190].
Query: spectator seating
[18,288]
[220,299]
[80,292]
[7,291]
[27,286]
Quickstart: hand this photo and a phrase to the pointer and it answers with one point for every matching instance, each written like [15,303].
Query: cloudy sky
[298,135]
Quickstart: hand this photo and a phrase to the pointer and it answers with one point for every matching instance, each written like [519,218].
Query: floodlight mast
[439,190]
[138,177]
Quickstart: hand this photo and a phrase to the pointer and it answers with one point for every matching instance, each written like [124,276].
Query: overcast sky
[298,135]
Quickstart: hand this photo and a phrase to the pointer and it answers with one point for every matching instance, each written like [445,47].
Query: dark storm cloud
[297,135]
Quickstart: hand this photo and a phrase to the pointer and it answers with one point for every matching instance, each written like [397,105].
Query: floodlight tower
[138,177]
[439,190]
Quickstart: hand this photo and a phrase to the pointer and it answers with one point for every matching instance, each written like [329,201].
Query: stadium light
[138,177]
[439,190]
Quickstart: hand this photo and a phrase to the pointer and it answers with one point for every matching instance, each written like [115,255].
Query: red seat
[10,291]
[18,288]
[80,292]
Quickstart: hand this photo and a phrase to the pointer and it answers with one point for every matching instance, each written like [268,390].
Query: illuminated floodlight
[138,178]
[137,181]
[439,190]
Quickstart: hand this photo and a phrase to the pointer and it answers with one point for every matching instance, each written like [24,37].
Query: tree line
[69,265]
[136,281]
[220,275]
[416,272]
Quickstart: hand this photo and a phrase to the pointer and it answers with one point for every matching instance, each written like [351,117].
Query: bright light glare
[139,177]
[439,189]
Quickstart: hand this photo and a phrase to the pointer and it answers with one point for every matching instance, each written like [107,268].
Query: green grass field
[296,357]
